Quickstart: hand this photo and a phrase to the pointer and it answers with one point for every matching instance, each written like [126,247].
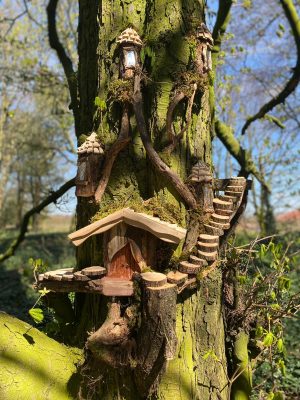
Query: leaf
[44,291]
[100,103]
[259,331]
[282,367]
[280,346]
[36,314]
[278,396]
[268,340]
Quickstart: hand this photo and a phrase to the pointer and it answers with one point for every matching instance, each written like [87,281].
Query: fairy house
[129,241]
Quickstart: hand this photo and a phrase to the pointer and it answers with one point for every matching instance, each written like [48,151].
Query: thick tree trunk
[167,28]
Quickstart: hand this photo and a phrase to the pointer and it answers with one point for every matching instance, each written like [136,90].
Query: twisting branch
[176,138]
[121,142]
[157,162]
[52,198]
[169,119]
[242,156]
[63,58]
[223,17]
[294,21]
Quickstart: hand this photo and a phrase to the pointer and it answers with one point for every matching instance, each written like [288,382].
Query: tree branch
[223,17]
[294,21]
[157,162]
[52,198]
[242,156]
[112,153]
[64,59]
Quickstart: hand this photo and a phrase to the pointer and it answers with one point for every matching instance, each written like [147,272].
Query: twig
[112,153]
[157,162]
[294,21]
[64,59]
[35,210]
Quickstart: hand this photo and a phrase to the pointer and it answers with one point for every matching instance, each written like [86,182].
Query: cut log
[78,276]
[238,180]
[116,287]
[228,199]
[208,238]
[177,277]
[189,268]
[208,247]
[213,230]
[233,194]
[198,261]
[224,205]
[57,272]
[94,271]
[67,276]
[219,226]
[220,211]
[220,219]
[208,256]
[153,279]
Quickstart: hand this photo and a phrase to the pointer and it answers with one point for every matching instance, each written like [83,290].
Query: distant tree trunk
[167,29]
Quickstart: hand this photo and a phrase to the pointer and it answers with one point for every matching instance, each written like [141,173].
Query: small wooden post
[201,178]
[203,51]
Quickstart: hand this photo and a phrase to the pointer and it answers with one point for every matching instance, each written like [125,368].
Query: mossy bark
[33,366]
[167,28]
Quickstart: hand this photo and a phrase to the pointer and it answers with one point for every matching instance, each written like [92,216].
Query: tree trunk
[167,29]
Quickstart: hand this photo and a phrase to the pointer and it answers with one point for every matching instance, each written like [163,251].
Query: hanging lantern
[130,44]
[90,155]
[205,45]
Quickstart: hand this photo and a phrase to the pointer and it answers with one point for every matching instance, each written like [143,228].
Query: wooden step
[177,277]
[237,180]
[208,256]
[219,226]
[197,261]
[224,205]
[188,268]
[208,238]
[233,199]
[223,212]
[153,279]
[220,219]
[79,276]
[208,247]
[233,194]
[213,230]
[94,271]
[235,188]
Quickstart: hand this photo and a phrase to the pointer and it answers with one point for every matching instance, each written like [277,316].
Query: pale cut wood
[213,230]
[198,261]
[233,194]
[177,277]
[208,238]
[40,277]
[235,188]
[153,279]
[208,247]
[220,219]
[219,226]
[167,232]
[239,180]
[78,276]
[189,268]
[208,256]
[219,203]
[219,211]
[228,199]
[116,287]
[67,276]
[94,271]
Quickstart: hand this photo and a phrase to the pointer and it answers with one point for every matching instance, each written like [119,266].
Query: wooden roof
[165,231]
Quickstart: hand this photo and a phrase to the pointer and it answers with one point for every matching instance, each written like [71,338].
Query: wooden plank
[116,287]
[93,271]
[78,276]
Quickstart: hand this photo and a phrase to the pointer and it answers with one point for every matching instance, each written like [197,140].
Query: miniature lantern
[131,44]
[90,154]
[205,44]
[202,179]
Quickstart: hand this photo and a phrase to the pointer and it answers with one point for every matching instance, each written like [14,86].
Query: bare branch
[52,198]
[64,59]
[223,17]
[294,21]
[157,162]
[112,153]
[242,156]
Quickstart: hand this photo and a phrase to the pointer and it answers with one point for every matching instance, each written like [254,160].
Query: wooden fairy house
[90,154]
[130,47]
[130,242]
[203,52]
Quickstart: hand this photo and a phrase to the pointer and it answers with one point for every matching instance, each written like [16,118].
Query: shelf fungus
[130,47]
[90,155]
[204,47]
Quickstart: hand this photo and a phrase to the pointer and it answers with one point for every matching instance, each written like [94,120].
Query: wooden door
[123,264]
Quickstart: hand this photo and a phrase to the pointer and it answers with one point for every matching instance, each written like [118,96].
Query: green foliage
[36,314]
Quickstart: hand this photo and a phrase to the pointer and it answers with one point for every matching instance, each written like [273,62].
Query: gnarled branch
[294,21]
[112,153]
[242,156]
[63,58]
[52,198]
[157,162]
